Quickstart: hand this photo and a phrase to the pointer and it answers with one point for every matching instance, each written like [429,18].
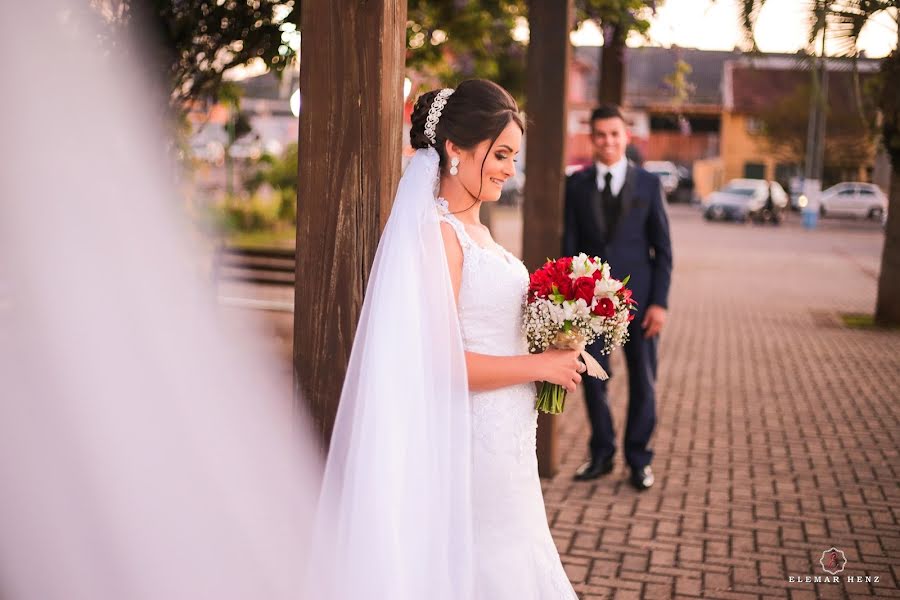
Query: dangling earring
[454,164]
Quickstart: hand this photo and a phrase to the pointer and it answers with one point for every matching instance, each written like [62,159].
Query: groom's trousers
[640,356]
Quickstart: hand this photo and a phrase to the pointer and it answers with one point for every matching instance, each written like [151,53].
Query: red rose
[605,308]
[560,270]
[540,284]
[565,287]
[584,289]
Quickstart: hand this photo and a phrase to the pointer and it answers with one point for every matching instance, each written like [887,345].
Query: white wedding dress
[515,557]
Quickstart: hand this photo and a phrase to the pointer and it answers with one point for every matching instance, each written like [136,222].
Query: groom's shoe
[642,478]
[594,468]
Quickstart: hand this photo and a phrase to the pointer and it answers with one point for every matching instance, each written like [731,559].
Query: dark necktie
[610,203]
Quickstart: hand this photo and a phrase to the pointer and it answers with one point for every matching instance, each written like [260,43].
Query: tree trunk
[548,58]
[349,167]
[887,306]
[611,86]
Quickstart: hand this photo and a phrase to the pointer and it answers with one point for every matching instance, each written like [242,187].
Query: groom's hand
[654,319]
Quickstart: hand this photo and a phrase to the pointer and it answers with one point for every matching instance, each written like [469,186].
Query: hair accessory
[434,113]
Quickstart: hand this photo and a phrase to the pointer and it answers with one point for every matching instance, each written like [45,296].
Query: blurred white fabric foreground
[144,454]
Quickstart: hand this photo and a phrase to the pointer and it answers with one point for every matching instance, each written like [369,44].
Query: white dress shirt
[618,170]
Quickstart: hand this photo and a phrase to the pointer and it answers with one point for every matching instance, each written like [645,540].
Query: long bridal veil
[145,454]
[395,511]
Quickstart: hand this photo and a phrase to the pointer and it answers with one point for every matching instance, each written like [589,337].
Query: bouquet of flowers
[573,302]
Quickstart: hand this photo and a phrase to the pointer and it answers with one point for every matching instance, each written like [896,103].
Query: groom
[615,210]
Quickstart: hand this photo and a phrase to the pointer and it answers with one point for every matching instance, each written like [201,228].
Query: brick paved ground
[777,430]
[778,427]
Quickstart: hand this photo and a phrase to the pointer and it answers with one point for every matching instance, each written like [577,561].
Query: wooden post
[548,74]
[351,79]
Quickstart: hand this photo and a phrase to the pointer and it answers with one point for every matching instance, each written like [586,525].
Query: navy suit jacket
[638,244]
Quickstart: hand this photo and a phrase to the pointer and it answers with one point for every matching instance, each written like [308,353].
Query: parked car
[684,191]
[743,199]
[667,173]
[852,198]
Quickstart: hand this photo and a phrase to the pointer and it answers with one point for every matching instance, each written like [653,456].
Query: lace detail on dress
[504,424]
[491,296]
[515,553]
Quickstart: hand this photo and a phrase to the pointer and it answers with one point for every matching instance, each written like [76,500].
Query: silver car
[667,173]
[743,199]
[853,198]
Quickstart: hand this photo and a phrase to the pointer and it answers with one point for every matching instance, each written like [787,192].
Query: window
[784,171]
[754,171]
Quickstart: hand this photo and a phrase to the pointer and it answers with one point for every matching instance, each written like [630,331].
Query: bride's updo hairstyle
[478,110]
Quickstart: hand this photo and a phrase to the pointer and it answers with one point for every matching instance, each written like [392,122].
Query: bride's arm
[488,372]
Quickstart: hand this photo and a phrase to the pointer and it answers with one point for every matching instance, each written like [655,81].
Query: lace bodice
[515,555]
[491,296]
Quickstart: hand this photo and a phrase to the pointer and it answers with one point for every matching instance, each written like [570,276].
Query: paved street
[777,432]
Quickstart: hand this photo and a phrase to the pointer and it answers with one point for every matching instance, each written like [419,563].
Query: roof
[753,86]
[647,67]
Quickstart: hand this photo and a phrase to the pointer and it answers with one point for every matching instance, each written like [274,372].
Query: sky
[714,25]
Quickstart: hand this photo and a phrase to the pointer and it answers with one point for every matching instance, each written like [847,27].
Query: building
[662,127]
[759,93]
[716,127]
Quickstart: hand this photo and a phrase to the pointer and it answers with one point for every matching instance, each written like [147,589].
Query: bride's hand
[561,367]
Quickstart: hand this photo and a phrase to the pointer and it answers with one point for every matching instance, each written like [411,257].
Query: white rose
[607,287]
[581,266]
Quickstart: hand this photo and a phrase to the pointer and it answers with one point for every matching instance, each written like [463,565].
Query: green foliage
[843,21]
[616,19]
[847,142]
[280,172]
[678,80]
[254,213]
[287,205]
[198,40]
[619,16]
[242,214]
[858,320]
[446,41]
[864,321]
[451,41]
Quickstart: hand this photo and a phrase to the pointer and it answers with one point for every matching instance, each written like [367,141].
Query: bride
[431,488]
